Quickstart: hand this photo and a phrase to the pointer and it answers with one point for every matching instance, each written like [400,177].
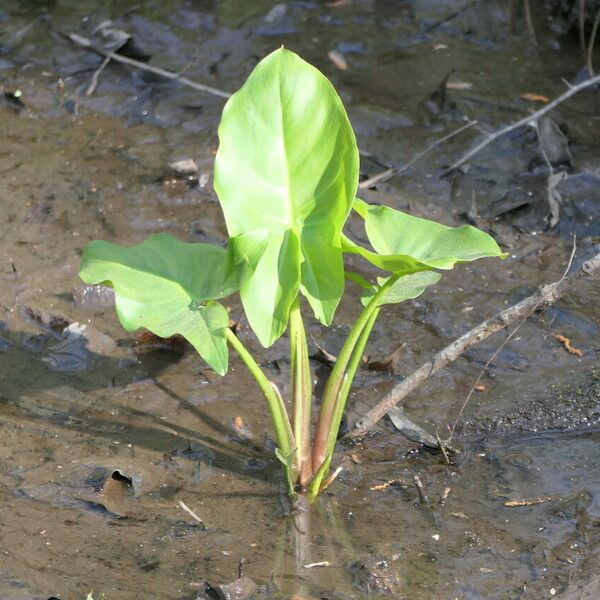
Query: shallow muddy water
[103,433]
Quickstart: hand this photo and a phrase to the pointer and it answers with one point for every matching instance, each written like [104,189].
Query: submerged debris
[376,575]
[411,430]
[566,342]
[532,502]
[93,297]
[241,589]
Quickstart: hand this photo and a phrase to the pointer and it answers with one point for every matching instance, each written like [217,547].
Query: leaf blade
[288,161]
[405,243]
[168,286]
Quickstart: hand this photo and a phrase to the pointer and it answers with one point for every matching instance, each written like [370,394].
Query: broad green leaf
[404,288]
[407,244]
[288,162]
[168,286]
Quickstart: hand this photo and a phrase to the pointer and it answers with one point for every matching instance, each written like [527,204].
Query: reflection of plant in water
[286,174]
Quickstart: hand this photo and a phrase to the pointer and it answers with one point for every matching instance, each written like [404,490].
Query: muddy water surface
[103,433]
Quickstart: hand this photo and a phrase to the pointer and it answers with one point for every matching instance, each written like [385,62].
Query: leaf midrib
[289,204]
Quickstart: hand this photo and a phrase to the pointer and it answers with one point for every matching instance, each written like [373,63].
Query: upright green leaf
[407,244]
[169,286]
[288,162]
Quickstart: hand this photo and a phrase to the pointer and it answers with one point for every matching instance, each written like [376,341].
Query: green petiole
[281,422]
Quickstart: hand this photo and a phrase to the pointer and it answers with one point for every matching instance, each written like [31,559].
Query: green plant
[286,174]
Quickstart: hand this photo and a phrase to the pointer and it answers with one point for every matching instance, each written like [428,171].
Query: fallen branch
[544,297]
[507,339]
[86,43]
[491,137]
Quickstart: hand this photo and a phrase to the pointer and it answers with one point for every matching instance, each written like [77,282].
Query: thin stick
[451,16]
[423,499]
[330,479]
[590,49]
[529,21]
[368,183]
[571,91]
[94,81]
[190,512]
[445,495]
[581,22]
[544,297]
[323,563]
[136,64]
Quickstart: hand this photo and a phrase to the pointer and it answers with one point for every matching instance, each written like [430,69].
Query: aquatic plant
[286,174]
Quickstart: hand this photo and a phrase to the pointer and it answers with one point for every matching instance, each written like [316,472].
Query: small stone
[186,166]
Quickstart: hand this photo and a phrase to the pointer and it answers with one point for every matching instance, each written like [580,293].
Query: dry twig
[94,82]
[190,512]
[532,502]
[423,499]
[368,183]
[86,43]
[590,48]
[544,297]
[491,137]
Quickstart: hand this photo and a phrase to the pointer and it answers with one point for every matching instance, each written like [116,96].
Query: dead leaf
[554,198]
[240,428]
[387,364]
[323,355]
[338,59]
[566,342]
[554,144]
[147,342]
[535,97]
[386,484]
[238,423]
[410,430]
[121,42]
[532,502]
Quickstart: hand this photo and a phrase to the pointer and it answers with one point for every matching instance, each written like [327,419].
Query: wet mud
[103,434]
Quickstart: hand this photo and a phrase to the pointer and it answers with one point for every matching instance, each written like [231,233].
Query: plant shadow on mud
[87,400]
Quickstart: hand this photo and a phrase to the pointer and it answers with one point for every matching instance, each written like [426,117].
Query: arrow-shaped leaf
[288,162]
[407,244]
[169,287]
